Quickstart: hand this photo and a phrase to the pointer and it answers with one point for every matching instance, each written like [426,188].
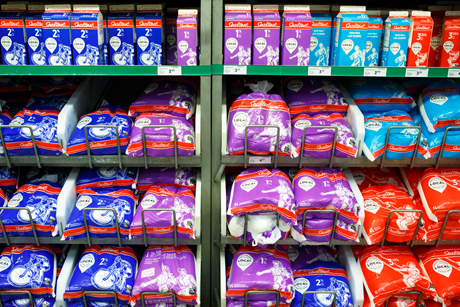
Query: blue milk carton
[150,34]
[103,9]
[384,15]
[351,36]
[56,33]
[34,31]
[335,11]
[87,34]
[374,35]
[321,28]
[12,34]
[396,40]
[121,34]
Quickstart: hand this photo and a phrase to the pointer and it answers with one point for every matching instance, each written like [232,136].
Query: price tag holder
[260,160]
[417,72]
[235,70]
[453,73]
[169,70]
[319,71]
[375,72]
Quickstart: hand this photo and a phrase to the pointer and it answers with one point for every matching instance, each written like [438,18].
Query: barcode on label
[169,70]
[260,160]
[235,70]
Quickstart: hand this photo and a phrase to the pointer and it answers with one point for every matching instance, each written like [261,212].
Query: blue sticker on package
[25,302]
[103,269]
[41,200]
[28,267]
[103,177]
[439,105]
[101,223]
[401,142]
[322,276]
[102,141]
[379,95]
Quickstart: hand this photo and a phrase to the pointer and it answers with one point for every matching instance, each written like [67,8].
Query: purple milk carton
[351,36]
[121,34]
[171,36]
[238,34]
[56,33]
[266,36]
[12,33]
[374,35]
[321,28]
[34,31]
[187,37]
[296,35]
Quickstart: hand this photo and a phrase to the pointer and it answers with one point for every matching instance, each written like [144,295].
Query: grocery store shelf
[112,241]
[434,72]
[102,161]
[285,161]
[103,70]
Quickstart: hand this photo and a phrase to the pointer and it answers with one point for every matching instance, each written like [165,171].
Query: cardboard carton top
[272,8]
[320,8]
[17,7]
[121,8]
[86,8]
[150,8]
[421,14]
[297,9]
[32,8]
[237,8]
[452,13]
[352,9]
[187,13]
[335,8]
[400,14]
[103,8]
[58,8]
[373,13]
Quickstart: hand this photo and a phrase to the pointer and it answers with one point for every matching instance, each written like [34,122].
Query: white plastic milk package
[56,34]
[12,34]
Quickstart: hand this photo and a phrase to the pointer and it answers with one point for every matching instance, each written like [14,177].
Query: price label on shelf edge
[417,72]
[453,73]
[375,72]
[235,70]
[319,71]
[260,160]
[169,70]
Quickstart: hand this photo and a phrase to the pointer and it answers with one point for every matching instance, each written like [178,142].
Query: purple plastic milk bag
[303,255]
[187,38]
[259,109]
[166,269]
[159,224]
[181,178]
[238,34]
[266,36]
[258,189]
[254,268]
[296,35]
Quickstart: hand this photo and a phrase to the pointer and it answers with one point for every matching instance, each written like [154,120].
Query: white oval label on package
[442,267]
[244,261]
[359,177]
[5,263]
[292,253]
[240,120]
[437,184]
[141,122]
[301,285]
[371,206]
[148,201]
[301,124]
[306,183]
[374,264]
[86,262]
[439,99]
[295,85]
[373,125]
[83,122]
[83,202]
[249,185]
[14,202]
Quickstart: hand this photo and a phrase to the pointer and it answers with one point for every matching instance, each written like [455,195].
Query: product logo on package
[371,206]
[295,85]
[301,284]
[442,267]
[244,261]
[249,185]
[306,183]
[437,184]
[373,125]
[374,264]
[86,262]
[438,99]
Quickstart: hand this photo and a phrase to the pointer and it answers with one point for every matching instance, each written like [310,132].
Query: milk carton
[384,15]
[12,34]
[450,51]
[321,29]
[237,34]
[351,36]
[121,35]
[34,31]
[87,35]
[266,35]
[421,29]
[171,36]
[103,9]
[437,13]
[396,40]
[56,33]
[374,35]
[187,37]
[150,34]
[296,35]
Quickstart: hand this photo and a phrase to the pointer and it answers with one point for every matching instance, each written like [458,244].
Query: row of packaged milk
[91,35]
[350,36]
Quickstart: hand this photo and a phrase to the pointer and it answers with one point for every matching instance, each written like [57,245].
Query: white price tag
[319,71]
[417,72]
[375,72]
[235,70]
[169,70]
[260,160]
[453,73]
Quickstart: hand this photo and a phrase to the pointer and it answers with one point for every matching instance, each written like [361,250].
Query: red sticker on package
[392,270]
[440,191]
[367,177]
[378,202]
[411,178]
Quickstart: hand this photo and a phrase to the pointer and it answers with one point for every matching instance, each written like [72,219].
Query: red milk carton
[450,51]
[421,29]
[437,13]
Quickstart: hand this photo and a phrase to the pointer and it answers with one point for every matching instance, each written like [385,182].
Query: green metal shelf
[434,72]
[75,70]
